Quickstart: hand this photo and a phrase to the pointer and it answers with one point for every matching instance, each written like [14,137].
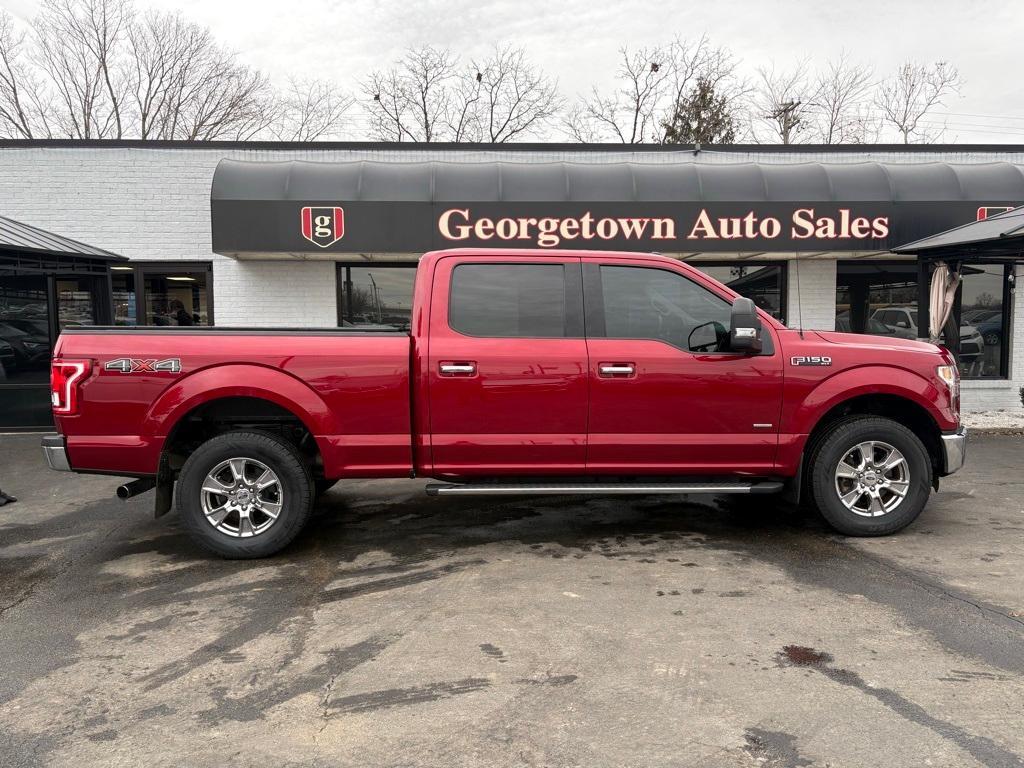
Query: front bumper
[56,453]
[954,450]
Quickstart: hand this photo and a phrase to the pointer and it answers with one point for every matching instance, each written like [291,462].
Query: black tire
[322,485]
[282,458]
[992,339]
[837,443]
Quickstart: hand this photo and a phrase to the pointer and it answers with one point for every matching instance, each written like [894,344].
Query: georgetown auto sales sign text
[460,225]
[322,228]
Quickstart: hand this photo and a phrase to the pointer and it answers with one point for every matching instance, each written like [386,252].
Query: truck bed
[350,387]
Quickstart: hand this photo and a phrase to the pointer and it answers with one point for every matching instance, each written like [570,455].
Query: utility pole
[787,119]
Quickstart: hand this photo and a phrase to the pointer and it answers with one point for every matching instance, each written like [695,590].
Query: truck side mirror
[744,327]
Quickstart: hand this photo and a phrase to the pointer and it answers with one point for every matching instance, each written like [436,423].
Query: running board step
[597,489]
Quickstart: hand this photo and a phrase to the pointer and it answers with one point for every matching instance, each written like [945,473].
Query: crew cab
[522,372]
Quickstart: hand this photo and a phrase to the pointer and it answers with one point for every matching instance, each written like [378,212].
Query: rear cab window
[511,300]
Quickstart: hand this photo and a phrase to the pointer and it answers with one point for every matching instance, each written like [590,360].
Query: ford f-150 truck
[523,372]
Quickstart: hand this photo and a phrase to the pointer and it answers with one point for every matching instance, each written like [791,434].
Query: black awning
[685,205]
[999,237]
[432,182]
[16,237]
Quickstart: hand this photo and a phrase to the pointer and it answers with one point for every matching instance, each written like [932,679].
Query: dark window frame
[1007,320]
[782,264]
[574,323]
[102,302]
[139,270]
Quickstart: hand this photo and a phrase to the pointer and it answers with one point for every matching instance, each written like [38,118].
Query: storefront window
[375,296]
[880,298]
[24,330]
[176,298]
[762,283]
[122,281]
[76,301]
[162,294]
[982,315]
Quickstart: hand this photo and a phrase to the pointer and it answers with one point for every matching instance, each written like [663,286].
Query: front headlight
[950,375]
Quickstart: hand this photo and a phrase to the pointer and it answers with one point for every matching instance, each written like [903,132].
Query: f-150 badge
[812,360]
[132,365]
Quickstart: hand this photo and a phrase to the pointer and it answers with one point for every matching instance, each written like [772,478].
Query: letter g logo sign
[323,226]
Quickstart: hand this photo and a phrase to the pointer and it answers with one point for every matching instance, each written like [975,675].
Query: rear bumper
[954,450]
[56,453]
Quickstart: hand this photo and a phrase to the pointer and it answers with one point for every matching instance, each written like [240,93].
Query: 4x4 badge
[132,365]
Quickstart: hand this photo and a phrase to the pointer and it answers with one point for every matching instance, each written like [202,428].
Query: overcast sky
[576,40]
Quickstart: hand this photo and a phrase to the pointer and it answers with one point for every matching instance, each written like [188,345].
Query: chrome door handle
[457,369]
[620,369]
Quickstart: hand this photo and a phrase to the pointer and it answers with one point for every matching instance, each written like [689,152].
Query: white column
[811,294]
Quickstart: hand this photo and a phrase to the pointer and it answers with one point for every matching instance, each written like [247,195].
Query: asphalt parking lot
[404,631]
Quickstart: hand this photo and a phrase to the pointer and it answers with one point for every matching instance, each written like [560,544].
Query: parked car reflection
[903,322]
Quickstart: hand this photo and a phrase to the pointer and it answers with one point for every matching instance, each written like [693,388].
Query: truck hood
[876,342]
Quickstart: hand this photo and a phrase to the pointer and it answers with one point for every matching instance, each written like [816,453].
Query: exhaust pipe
[135,487]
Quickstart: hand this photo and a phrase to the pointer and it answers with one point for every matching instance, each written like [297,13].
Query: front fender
[237,380]
[869,380]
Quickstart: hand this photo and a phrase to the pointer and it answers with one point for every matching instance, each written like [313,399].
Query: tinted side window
[526,300]
[643,303]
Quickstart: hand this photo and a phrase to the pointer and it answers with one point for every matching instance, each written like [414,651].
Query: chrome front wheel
[242,497]
[872,478]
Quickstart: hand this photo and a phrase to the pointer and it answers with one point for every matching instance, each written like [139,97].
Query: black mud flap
[794,485]
[164,488]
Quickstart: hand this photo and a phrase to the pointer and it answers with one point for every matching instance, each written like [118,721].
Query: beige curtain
[941,299]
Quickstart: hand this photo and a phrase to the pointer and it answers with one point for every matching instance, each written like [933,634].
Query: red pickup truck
[524,372]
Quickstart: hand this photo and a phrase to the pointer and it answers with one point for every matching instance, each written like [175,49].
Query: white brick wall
[153,204]
[812,294]
[275,293]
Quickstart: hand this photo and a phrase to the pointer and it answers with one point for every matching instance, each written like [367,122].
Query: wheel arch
[215,400]
[897,407]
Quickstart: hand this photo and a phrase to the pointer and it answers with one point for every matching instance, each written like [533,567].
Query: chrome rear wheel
[242,497]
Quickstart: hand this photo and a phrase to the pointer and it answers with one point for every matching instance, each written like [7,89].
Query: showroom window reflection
[880,299]
[375,296]
[761,283]
[155,295]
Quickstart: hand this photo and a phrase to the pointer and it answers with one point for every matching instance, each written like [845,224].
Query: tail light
[66,377]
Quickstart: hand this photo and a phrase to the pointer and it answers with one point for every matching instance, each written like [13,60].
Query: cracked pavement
[402,630]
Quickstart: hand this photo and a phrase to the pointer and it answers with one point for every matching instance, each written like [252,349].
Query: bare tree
[784,101]
[78,44]
[515,97]
[842,103]
[412,102]
[223,100]
[428,96]
[651,83]
[309,110]
[906,98]
[23,105]
[183,85]
[631,112]
[698,66]
[94,69]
